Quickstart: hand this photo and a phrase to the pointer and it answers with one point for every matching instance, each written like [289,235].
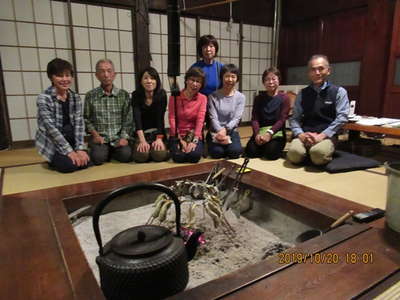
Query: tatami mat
[39,176]
[367,187]
[26,156]
[19,157]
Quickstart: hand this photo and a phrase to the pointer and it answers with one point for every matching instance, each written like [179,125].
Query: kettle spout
[192,243]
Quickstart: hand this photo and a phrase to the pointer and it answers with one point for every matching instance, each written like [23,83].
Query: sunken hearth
[266,226]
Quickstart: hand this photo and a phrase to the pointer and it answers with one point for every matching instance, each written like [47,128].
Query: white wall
[33,32]
[256,50]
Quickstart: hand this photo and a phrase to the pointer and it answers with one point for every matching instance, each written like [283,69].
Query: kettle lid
[141,240]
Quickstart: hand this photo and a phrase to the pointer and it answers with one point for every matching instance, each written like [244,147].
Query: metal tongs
[232,192]
[239,174]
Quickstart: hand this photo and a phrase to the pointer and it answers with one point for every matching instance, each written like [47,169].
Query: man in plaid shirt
[108,117]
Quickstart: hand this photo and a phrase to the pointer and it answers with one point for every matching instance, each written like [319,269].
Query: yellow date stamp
[325,258]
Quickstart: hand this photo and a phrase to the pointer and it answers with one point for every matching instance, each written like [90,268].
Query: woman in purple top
[269,114]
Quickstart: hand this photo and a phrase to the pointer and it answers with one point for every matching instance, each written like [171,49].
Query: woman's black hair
[197,73]
[58,66]
[231,68]
[204,41]
[139,87]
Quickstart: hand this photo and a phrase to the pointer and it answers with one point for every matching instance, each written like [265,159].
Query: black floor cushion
[344,162]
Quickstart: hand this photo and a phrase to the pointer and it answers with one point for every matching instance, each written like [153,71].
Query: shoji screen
[257,42]
[32,32]
[256,53]
[103,32]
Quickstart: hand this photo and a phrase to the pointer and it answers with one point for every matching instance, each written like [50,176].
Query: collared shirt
[342,111]
[110,115]
[49,138]
[191,114]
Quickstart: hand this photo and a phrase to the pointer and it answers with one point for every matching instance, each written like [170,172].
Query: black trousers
[271,150]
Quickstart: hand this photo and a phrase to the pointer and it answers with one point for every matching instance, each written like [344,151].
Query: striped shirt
[49,138]
[110,115]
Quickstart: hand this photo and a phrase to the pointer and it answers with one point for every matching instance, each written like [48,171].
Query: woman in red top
[186,123]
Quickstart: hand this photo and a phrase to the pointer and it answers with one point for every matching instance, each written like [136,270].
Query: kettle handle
[132,188]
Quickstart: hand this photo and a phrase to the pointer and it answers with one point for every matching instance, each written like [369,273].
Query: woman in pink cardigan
[186,123]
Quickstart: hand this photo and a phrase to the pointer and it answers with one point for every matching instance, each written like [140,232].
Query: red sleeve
[285,107]
[171,116]
[255,124]
[201,115]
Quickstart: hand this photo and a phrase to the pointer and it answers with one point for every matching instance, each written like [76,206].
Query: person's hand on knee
[304,137]
[76,160]
[122,143]
[97,138]
[318,137]
[84,157]
[259,140]
[158,145]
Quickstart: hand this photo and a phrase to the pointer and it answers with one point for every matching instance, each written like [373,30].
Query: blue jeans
[233,150]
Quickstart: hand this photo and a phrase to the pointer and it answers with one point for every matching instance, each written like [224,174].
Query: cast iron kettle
[143,262]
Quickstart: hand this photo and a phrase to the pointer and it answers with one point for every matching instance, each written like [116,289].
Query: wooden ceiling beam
[209,5]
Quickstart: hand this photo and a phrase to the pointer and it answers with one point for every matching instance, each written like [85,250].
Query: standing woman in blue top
[225,108]
[149,103]
[207,49]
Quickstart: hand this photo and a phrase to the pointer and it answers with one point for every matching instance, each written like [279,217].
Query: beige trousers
[320,154]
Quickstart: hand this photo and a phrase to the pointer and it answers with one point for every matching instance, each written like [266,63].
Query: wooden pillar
[197,36]
[140,33]
[5,132]
[241,54]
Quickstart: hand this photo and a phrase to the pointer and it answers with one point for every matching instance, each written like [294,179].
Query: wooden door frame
[5,130]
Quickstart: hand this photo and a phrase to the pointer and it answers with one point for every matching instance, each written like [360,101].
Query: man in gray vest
[320,110]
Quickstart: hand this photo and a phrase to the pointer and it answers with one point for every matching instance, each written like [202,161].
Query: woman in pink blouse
[186,124]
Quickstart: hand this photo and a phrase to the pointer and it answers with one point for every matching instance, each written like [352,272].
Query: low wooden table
[40,256]
[355,130]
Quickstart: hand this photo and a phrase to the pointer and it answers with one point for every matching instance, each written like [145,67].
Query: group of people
[131,127]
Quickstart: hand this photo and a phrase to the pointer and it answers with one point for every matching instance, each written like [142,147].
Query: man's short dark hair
[59,66]
[229,68]
[204,41]
[197,73]
[272,70]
